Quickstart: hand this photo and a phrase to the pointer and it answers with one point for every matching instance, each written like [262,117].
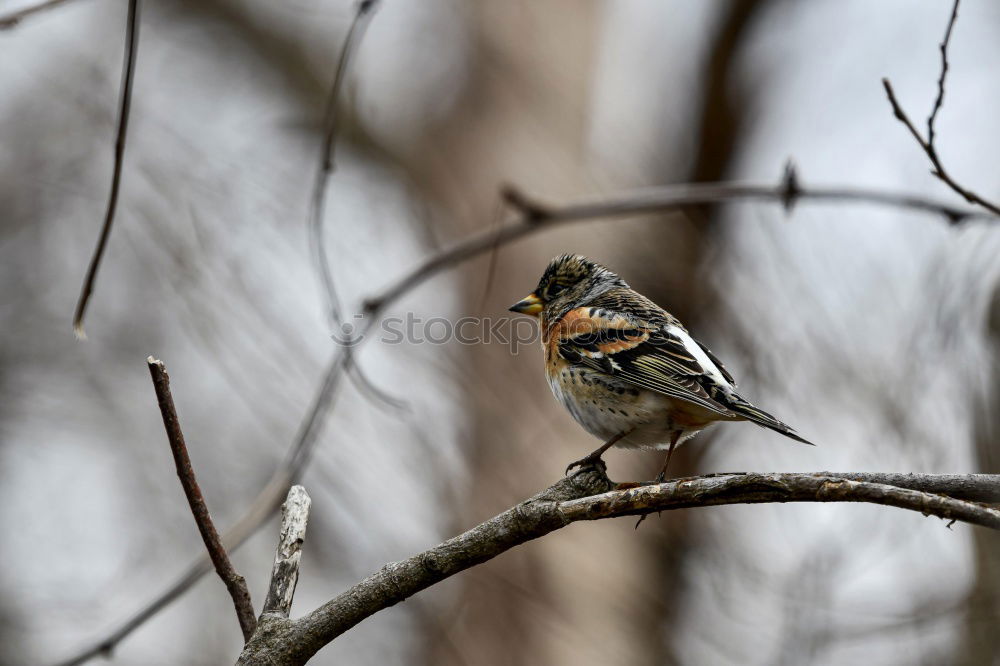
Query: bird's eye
[555,289]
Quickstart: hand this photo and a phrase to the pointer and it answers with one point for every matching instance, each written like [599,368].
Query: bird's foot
[589,461]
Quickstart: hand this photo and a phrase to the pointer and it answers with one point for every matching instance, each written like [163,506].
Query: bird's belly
[605,407]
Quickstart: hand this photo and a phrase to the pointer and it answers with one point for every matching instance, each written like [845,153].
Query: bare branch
[326,164]
[317,211]
[234,582]
[761,488]
[537,217]
[285,572]
[970,487]
[14,18]
[928,145]
[125,104]
[939,100]
[262,508]
[590,495]
[105,647]
[494,256]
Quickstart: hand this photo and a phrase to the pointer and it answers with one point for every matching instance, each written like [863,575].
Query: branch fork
[927,145]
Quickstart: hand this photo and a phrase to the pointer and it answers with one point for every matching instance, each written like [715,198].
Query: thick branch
[589,495]
[759,488]
[537,217]
[235,583]
[971,487]
[927,145]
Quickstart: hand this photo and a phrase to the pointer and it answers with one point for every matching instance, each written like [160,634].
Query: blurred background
[872,331]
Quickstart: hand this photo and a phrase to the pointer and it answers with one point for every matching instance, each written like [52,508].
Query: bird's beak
[530,305]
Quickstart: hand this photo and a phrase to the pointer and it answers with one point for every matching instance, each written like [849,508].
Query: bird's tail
[743,408]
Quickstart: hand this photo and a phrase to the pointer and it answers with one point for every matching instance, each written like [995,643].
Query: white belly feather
[644,413]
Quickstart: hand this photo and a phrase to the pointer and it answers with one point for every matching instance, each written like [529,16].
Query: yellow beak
[530,305]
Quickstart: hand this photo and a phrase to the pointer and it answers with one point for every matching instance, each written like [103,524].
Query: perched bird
[625,368]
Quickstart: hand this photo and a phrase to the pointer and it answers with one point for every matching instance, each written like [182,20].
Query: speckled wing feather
[641,351]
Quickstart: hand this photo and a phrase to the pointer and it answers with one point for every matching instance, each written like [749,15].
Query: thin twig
[105,647]
[317,209]
[939,100]
[494,256]
[125,104]
[234,582]
[927,145]
[587,495]
[367,387]
[285,571]
[14,18]
[537,217]
[326,163]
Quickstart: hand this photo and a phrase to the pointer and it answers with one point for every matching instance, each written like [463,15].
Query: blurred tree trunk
[526,607]
[981,641]
[524,120]
[720,106]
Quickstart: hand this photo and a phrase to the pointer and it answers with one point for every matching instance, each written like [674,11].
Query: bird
[626,369]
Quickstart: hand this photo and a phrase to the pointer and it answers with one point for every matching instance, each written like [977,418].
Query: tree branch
[590,495]
[983,488]
[234,582]
[927,145]
[943,47]
[317,208]
[261,508]
[285,572]
[124,105]
[537,216]
[326,165]
[789,487]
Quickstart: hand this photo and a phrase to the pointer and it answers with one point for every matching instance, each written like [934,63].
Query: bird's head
[569,281]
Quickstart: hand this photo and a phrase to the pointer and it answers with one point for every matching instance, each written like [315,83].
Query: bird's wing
[659,356]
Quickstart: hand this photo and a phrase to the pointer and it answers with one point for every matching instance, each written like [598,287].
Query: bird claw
[589,461]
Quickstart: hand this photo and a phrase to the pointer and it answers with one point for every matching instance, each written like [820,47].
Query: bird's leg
[595,456]
[674,436]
